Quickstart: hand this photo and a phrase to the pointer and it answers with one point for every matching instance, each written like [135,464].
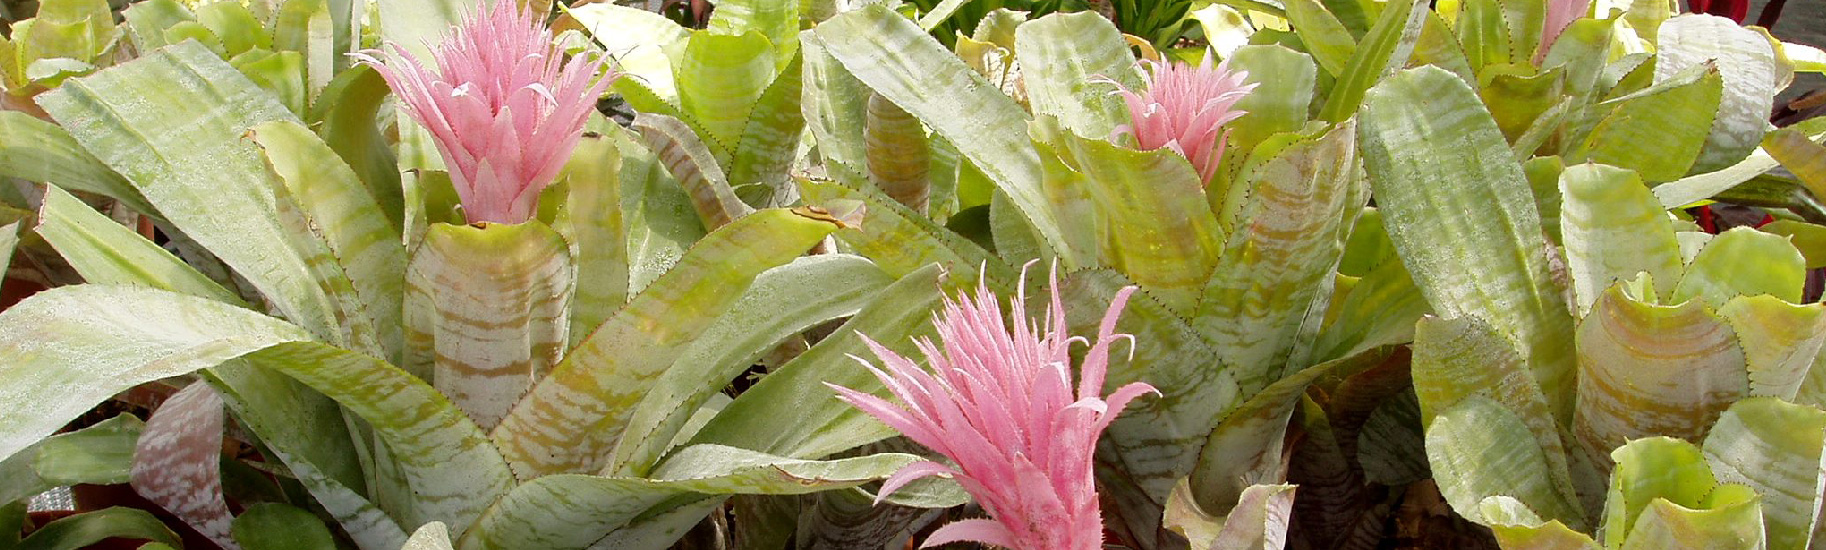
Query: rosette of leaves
[308,337]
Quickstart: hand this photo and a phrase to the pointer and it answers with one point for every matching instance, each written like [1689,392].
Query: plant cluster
[1314,274]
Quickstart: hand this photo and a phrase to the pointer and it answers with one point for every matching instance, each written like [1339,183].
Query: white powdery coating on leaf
[177,462]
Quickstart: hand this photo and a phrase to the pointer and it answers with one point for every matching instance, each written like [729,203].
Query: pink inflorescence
[1185,108]
[504,107]
[1000,404]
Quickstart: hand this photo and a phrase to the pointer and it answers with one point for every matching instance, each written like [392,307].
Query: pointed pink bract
[999,402]
[503,106]
[1185,108]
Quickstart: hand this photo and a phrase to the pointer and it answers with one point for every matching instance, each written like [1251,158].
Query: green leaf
[1260,519]
[657,212]
[573,416]
[486,312]
[148,21]
[1780,341]
[1479,449]
[1067,61]
[1463,219]
[835,105]
[72,347]
[1775,448]
[101,454]
[1697,187]
[1381,52]
[783,301]
[1613,229]
[1518,528]
[1483,32]
[686,158]
[1747,63]
[236,25]
[1380,310]
[597,230]
[900,240]
[1659,131]
[172,122]
[1518,101]
[719,78]
[1744,262]
[347,109]
[445,459]
[1736,523]
[895,58]
[40,151]
[637,38]
[1653,469]
[82,530]
[1647,370]
[1324,35]
[273,526]
[106,252]
[778,21]
[823,424]
[1263,306]
[307,27]
[280,73]
[770,139]
[416,25]
[1280,102]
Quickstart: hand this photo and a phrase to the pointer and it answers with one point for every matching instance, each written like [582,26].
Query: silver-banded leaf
[1648,470]
[430,536]
[1747,62]
[1648,369]
[1781,341]
[1263,306]
[657,212]
[1463,219]
[659,529]
[177,463]
[573,511]
[1612,229]
[823,424]
[1285,83]
[901,240]
[1385,49]
[1480,449]
[487,312]
[40,151]
[835,104]
[172,122]
[898,60]
[575,415]
[1774,447]
[637,38]
[106,252]
[782,302]
[1068,63]
[770,140]
[1744,262]
[446,460]
[719,78]
[899,154]
[597,231]
[308,28]
[66,349]
[687,158]
[1659,132]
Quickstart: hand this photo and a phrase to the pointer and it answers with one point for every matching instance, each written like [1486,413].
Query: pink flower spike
[998,402]
[504,107]
[1185,109]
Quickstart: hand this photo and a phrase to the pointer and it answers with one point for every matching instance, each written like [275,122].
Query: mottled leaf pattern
[177,464]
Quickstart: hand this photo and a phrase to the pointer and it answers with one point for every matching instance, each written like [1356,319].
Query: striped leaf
[1478,449]
[899,155]
[720,76]
[1286,81]
[1380,310]
[106,252]
[1744,262]
[1518,528]
[1773,447]
[172,122]
[1067,60]
[657,212]
[1381,52]
[899,239]
[1612,229]
[1324,35]
[35,150]
[835,104]
[1780,340]
[596,226]
[66,349]
[1658,132]
[574,417]
[687,158]
[1263,306]
[177,463]
[1745,60]
[488,312]
[1462,217]
[769,141]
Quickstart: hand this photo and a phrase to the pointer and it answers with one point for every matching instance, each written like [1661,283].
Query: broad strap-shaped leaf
[106,252]
[488,312]
[1068,61]
[430,536]
[178,462]
[1804,157]
[1747,62]
[596,228]
[83,530]
[66,349]
[1518,528]
[348,111]
[1478,449]
[1285,83]
[1648,470]
[899,154]
[1381,52]
[898,60]
[1612,229]
[1781,341]
[835,105]
[574,417]
[1660,131]
[769,142]
[1744,262]
[1259,521]
[1463,219]
[172,122]
[719,78]
[778,21]
[573,511]
[1380,310]
[1697,187]
[899,239]
[417,26]
[1460,359]
[1732,517]
[660,529]
[40,151]
[1774,447]
[345,216]
[686,157]
[275,526]
[1517,101]
[446,460]
[101,454]
[1263,306]
[1648,369]
[782,302]
[308,28]
[657,212]
[1326,39]
[823,424]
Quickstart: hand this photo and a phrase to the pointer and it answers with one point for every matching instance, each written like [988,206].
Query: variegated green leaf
[1613,229]
[487,312]
[575,415]
[1774,447]
[1483,32]
[657,213]
[35,150]
[1731,517]
[782,302]
[1744,262]
[770,140]
[637,38]
[899,154]
[347,111]
[1479,449]
[1263,307]
[306,27]
[900,240]
[1745,60]
[1648,369]
[172,122]
[1652,469]
[1068,62]
[101,454]
[899,61]
[1697,187]
[1660,131]
[1780,341]
[778,21]
[719,78]
[1518,528]
[417,25]
[1381,52]
[687,158]
[1463,219]
[596,229]
[1285,83]
[1324,35]
[835,105]
[106,252]
[430,536]
[1380,310]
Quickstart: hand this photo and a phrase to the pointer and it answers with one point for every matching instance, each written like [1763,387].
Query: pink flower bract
[1000,404]
[1185,108]
[505,108]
